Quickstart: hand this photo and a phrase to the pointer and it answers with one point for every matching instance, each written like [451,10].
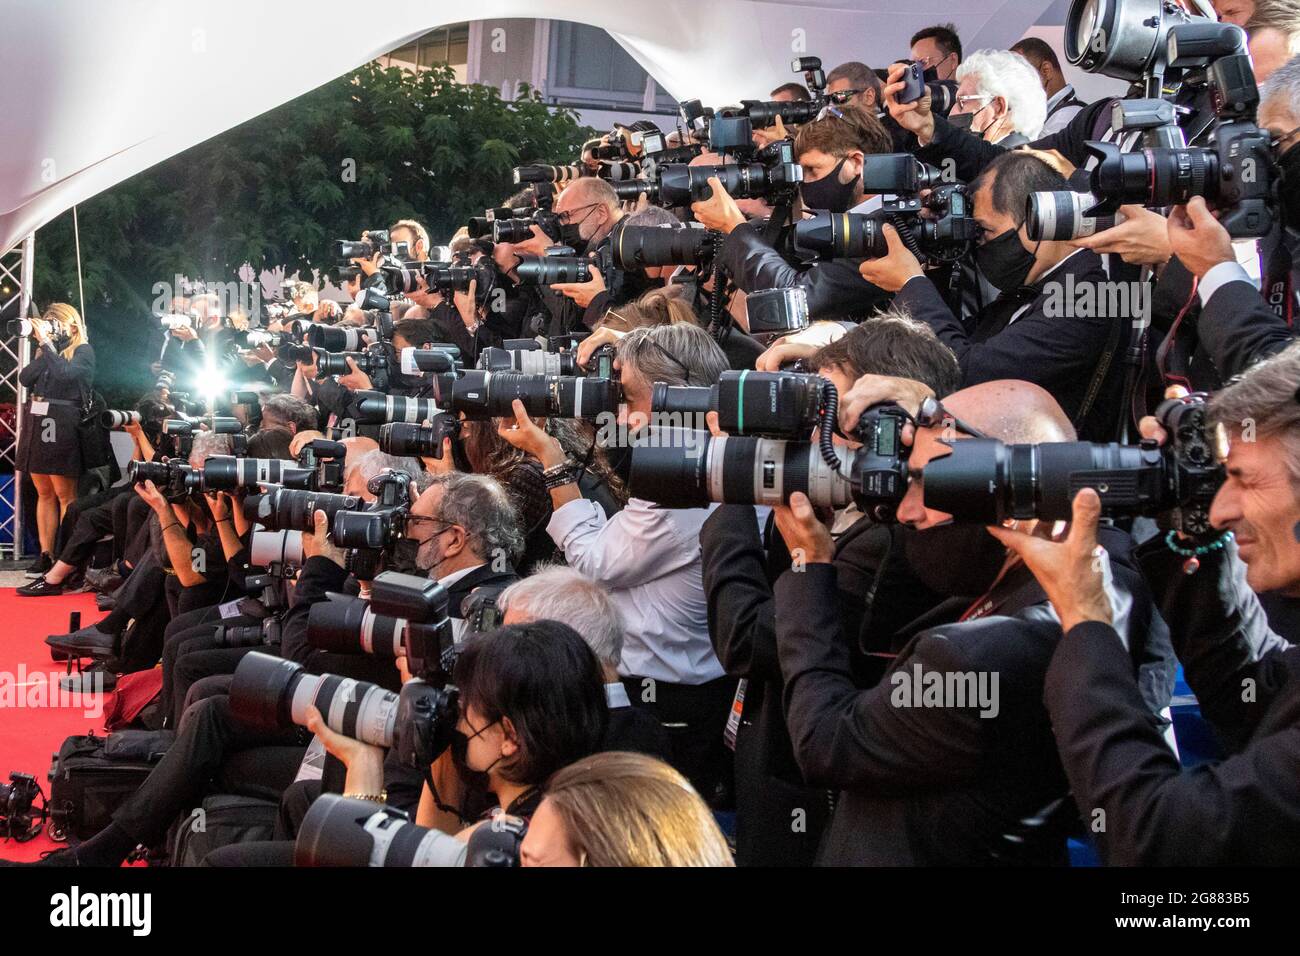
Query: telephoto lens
[529,361]
[630,190]
[292,352]
[138,472]
[336,363]
[792,113]
[375,408]
[116,421]
[291,509]
[273,693]
[637,247]
[404,439]
[549,270]
[227,473]
[222,425]
[345,831]
[283,548]
[1063,215]
[350,626]
[986,481]
[547,174]
[841,235]
[479,395]
[681,469]
[402,279]
[770,404]
[340,338]
[178,426]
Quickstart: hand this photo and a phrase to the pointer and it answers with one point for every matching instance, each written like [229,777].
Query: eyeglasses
[1275,142]
[447,525]
[928,62]
[841,97]
[566,217]
[932,414]
[670,357]
[985,98]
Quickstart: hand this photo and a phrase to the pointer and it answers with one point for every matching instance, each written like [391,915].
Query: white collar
[455,576]
[1059,95]
[616,696]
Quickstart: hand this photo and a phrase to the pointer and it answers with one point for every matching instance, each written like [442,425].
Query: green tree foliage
[360,152]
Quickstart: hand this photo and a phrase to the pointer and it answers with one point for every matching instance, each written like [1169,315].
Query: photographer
[1238,325]
[649,559]
[854,84]
[999,99]
[969,776]
[938,50]
[1243,809]
[831,152]
[90,518]
[58,379]
[588,210]
[562,594]
[742,611]
[336,396]
[1031,330]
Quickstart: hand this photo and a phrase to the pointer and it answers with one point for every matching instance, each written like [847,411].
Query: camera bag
[223,819]
[87,782]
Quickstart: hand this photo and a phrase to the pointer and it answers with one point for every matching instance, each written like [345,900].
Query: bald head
[588,190]
[1015,412]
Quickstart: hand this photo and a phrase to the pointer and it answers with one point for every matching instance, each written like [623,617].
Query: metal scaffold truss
[16,270]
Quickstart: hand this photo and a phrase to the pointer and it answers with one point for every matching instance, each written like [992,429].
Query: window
[448,45]
[587,65]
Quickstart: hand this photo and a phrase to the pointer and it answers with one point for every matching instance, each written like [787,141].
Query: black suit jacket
[1060,352]
[1245,809]
[925,785]
[636,730]
[743,628]
[835,288]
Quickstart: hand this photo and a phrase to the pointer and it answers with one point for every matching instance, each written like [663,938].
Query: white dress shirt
[649,559]
[1057,121]
[459,627]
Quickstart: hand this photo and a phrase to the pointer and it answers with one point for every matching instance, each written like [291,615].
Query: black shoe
[104,580]
[38,568]
[105,602]
[86,642]
[40,588]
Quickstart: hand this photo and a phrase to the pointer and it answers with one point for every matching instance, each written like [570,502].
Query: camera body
[772,175]
[944,234]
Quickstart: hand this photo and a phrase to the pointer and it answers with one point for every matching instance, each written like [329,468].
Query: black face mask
[571,234]
[828,193]
[961,121]
[956,560]
[1004,261]
[61,341]
[402,557]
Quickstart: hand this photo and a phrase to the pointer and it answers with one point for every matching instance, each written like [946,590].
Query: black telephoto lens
[291,509]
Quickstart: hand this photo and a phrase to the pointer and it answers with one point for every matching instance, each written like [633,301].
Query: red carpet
[35,714]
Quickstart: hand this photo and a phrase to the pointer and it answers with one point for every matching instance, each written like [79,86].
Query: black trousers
[192,631]
[695,717]
[86,521]
[208,734]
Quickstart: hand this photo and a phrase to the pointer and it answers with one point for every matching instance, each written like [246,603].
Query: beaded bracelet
[1193,555]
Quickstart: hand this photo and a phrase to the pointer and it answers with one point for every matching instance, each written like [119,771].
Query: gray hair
[666,353]
[1009,75]
[207,444]
[558,593]
[1285,82]
[1263,400]
[290,408]
[480,505]
[375,461]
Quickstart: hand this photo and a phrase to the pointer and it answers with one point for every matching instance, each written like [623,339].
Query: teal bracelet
[1193,555]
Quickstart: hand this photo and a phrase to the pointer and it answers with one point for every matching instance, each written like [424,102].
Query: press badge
[40,408]
[733,719]
[229,609]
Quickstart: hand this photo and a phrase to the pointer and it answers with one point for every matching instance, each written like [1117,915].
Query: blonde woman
[622,809]
[59,379]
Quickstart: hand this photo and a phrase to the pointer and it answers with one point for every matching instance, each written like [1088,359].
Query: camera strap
[1279,280]
[1099,374]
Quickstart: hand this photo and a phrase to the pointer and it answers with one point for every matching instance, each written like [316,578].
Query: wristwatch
[380,797]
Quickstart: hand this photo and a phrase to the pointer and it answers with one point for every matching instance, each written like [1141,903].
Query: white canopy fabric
[95,92]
